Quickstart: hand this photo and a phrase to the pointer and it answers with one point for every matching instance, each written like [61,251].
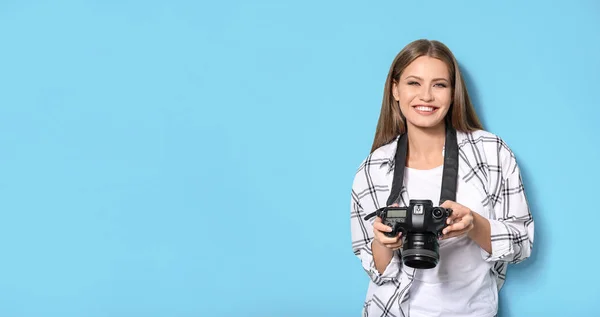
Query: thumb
[447,204]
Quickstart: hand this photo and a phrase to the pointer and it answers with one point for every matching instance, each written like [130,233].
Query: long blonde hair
[461,115]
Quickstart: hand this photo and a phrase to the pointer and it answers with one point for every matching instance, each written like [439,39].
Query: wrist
[382,248]
[481,232]
[476,225]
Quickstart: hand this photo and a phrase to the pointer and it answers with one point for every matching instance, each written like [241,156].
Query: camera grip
[396,229]
[390,234]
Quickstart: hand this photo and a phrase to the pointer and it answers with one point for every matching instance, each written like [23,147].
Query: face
[424,92]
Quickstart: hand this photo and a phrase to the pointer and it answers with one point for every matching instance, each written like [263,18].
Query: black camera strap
[449,174]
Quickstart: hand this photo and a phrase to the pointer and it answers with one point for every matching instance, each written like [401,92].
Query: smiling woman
[425,73]
[425,106]
[424,89]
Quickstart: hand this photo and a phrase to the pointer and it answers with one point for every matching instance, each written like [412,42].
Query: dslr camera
[421,224]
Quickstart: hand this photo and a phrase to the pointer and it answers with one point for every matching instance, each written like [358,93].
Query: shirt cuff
[501,237]
[390,272]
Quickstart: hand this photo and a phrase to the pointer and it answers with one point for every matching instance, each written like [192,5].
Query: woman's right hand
[379,228]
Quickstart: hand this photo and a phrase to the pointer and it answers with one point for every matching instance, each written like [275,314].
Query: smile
[425,109]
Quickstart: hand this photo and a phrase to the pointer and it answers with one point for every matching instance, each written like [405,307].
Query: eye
[413,83]
[441,85]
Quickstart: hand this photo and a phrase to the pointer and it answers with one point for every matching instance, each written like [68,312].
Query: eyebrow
[419,78]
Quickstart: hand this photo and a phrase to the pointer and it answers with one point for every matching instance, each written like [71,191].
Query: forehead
[427,67]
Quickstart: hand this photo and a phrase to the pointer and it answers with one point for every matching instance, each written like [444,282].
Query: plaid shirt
[487,163]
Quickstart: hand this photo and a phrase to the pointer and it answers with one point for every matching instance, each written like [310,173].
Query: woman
[490,225]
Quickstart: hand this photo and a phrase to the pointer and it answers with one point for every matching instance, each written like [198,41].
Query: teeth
[424,108]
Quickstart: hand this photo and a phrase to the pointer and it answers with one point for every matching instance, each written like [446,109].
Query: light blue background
[184,158]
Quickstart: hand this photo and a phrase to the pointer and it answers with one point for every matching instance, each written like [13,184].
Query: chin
[425,124]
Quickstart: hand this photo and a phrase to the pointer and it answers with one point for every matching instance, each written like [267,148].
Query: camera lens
[437,213]
[421,251]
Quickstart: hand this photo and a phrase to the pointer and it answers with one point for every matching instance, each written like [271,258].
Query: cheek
[405,104]
[406,97]
[444,97]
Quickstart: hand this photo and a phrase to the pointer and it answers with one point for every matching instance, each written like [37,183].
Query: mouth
[425,109]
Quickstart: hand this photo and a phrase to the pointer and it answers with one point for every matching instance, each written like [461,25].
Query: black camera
[421,224]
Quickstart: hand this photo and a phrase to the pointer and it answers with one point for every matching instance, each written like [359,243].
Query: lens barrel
[421,251]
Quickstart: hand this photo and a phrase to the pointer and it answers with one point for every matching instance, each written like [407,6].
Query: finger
[454,219]
[457,226]
[465,217]
[448,204]
[457,210]
[387,242]
[381,227]
[456,207]
[383,239]
[458,214]
[453,234]
[454,227]
[457,232]
[396,245]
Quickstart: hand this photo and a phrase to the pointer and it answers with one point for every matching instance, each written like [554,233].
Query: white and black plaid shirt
[486,162]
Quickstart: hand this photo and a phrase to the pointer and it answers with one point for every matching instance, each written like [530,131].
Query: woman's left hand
[460,221]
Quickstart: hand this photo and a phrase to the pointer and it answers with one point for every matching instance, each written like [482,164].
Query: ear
[395,90]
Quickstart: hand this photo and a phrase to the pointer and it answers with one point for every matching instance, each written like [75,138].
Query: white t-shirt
[461,284]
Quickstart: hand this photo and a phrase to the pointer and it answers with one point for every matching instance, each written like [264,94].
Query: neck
[425,146]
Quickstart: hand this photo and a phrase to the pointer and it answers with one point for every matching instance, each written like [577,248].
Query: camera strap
[449,174]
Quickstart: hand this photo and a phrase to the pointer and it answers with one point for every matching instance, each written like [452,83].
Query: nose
[426,94]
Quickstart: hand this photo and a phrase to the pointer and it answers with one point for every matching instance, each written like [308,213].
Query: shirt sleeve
[362,237]
[512,230]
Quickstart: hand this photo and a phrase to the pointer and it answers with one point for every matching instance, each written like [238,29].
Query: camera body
[419,217]
[421,224]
